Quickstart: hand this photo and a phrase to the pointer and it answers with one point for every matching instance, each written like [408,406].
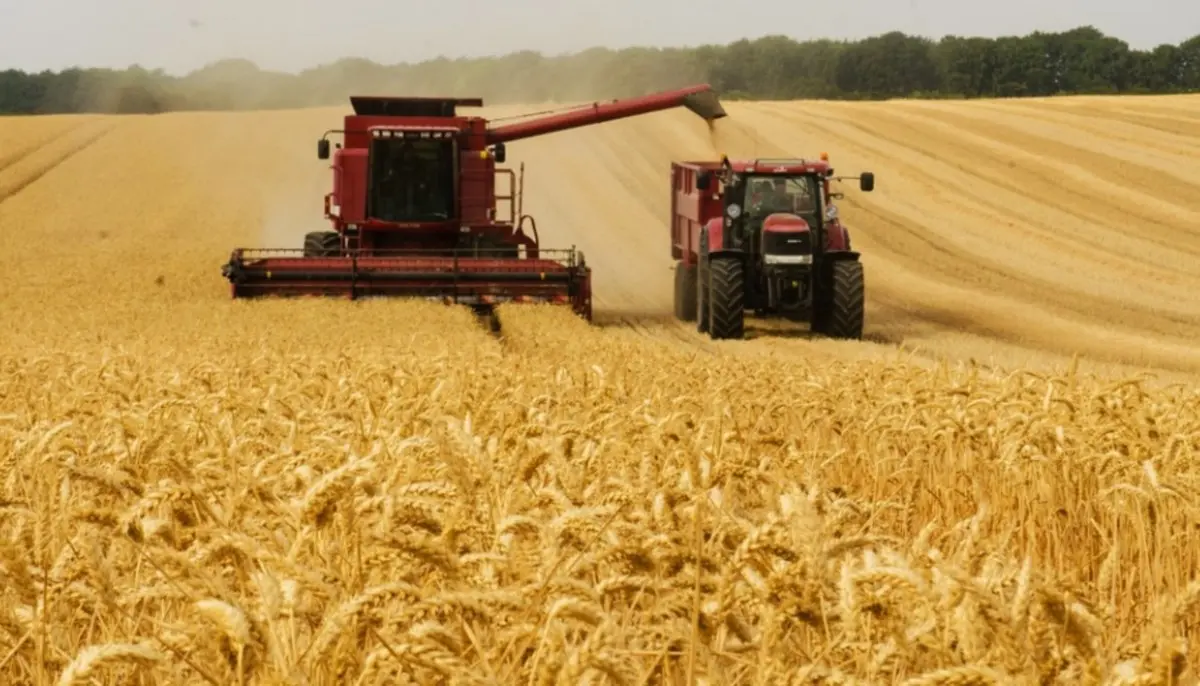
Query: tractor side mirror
[323,149]
[866,182]
[703,180]
[498,151]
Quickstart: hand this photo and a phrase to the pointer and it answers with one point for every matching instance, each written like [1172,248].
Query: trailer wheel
[685,291]
[840,312]
[727,298]
[703,293]
[322,244]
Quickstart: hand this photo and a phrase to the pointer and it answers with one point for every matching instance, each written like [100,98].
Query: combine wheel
[727,298]
[322,244]
[840,314]
[685,292]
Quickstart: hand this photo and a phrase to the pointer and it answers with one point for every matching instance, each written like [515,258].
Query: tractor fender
[732,252]
[714,230]
[837,236]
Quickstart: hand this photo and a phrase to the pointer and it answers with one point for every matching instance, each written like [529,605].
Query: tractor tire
[685,292]
[322,244]
[703,294]
[727,299]
[840,313]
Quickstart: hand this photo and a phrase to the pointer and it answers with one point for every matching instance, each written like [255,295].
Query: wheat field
[997,487]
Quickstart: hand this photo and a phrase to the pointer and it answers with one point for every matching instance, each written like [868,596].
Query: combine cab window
[412,180]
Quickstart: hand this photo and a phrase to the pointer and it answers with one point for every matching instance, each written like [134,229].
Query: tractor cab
[793,194]
[784,198]
[764,197]
[771,210]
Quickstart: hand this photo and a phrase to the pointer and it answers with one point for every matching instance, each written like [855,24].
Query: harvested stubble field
[203,491]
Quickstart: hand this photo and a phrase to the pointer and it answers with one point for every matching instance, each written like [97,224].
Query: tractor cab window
[767,195]
[412,180]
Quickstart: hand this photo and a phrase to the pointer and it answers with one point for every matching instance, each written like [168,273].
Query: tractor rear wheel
[322,244]
[727,298]
[703,294]
[685,291]
[840,311]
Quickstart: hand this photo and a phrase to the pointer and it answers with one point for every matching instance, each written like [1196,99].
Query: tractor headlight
[831,213]
[734,211]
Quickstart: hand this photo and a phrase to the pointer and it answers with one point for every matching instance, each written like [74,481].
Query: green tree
[1082,60]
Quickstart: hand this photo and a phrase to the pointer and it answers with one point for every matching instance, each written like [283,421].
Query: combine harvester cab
[764,236]
[414,209]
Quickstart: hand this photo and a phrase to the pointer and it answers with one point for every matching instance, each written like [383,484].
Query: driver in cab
[779,199]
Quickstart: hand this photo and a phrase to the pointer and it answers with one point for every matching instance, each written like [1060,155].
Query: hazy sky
[289,35]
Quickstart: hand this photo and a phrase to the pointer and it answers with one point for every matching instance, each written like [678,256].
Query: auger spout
[699,99]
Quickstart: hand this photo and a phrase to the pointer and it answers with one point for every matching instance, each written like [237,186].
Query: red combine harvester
[414,213]
[764,236]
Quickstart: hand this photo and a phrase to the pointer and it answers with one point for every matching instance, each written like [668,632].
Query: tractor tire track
[657,327]
[1119,170]
[25,151]
[1180,123]
[1054,236]
[965,197]
[1089,208]
[54,160]
[1170,233]
[1106,125]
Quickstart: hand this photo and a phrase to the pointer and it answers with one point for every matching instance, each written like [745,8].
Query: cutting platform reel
[479,278]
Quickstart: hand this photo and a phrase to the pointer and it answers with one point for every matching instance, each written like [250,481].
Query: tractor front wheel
[322,244]
[840,311]
[685,291]
[727,298]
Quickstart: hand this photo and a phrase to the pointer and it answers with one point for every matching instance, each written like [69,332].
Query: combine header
[764,236]
[414,209]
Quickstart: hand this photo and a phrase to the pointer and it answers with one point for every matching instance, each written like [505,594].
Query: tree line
[893,65]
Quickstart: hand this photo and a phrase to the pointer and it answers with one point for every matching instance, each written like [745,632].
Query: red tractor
[763,236]
[414,209]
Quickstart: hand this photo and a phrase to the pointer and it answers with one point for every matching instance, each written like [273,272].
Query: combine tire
[685,292]
[727,299]
[841,313]
[322,244]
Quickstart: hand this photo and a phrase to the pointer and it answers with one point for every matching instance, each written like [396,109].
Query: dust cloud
[288,214]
